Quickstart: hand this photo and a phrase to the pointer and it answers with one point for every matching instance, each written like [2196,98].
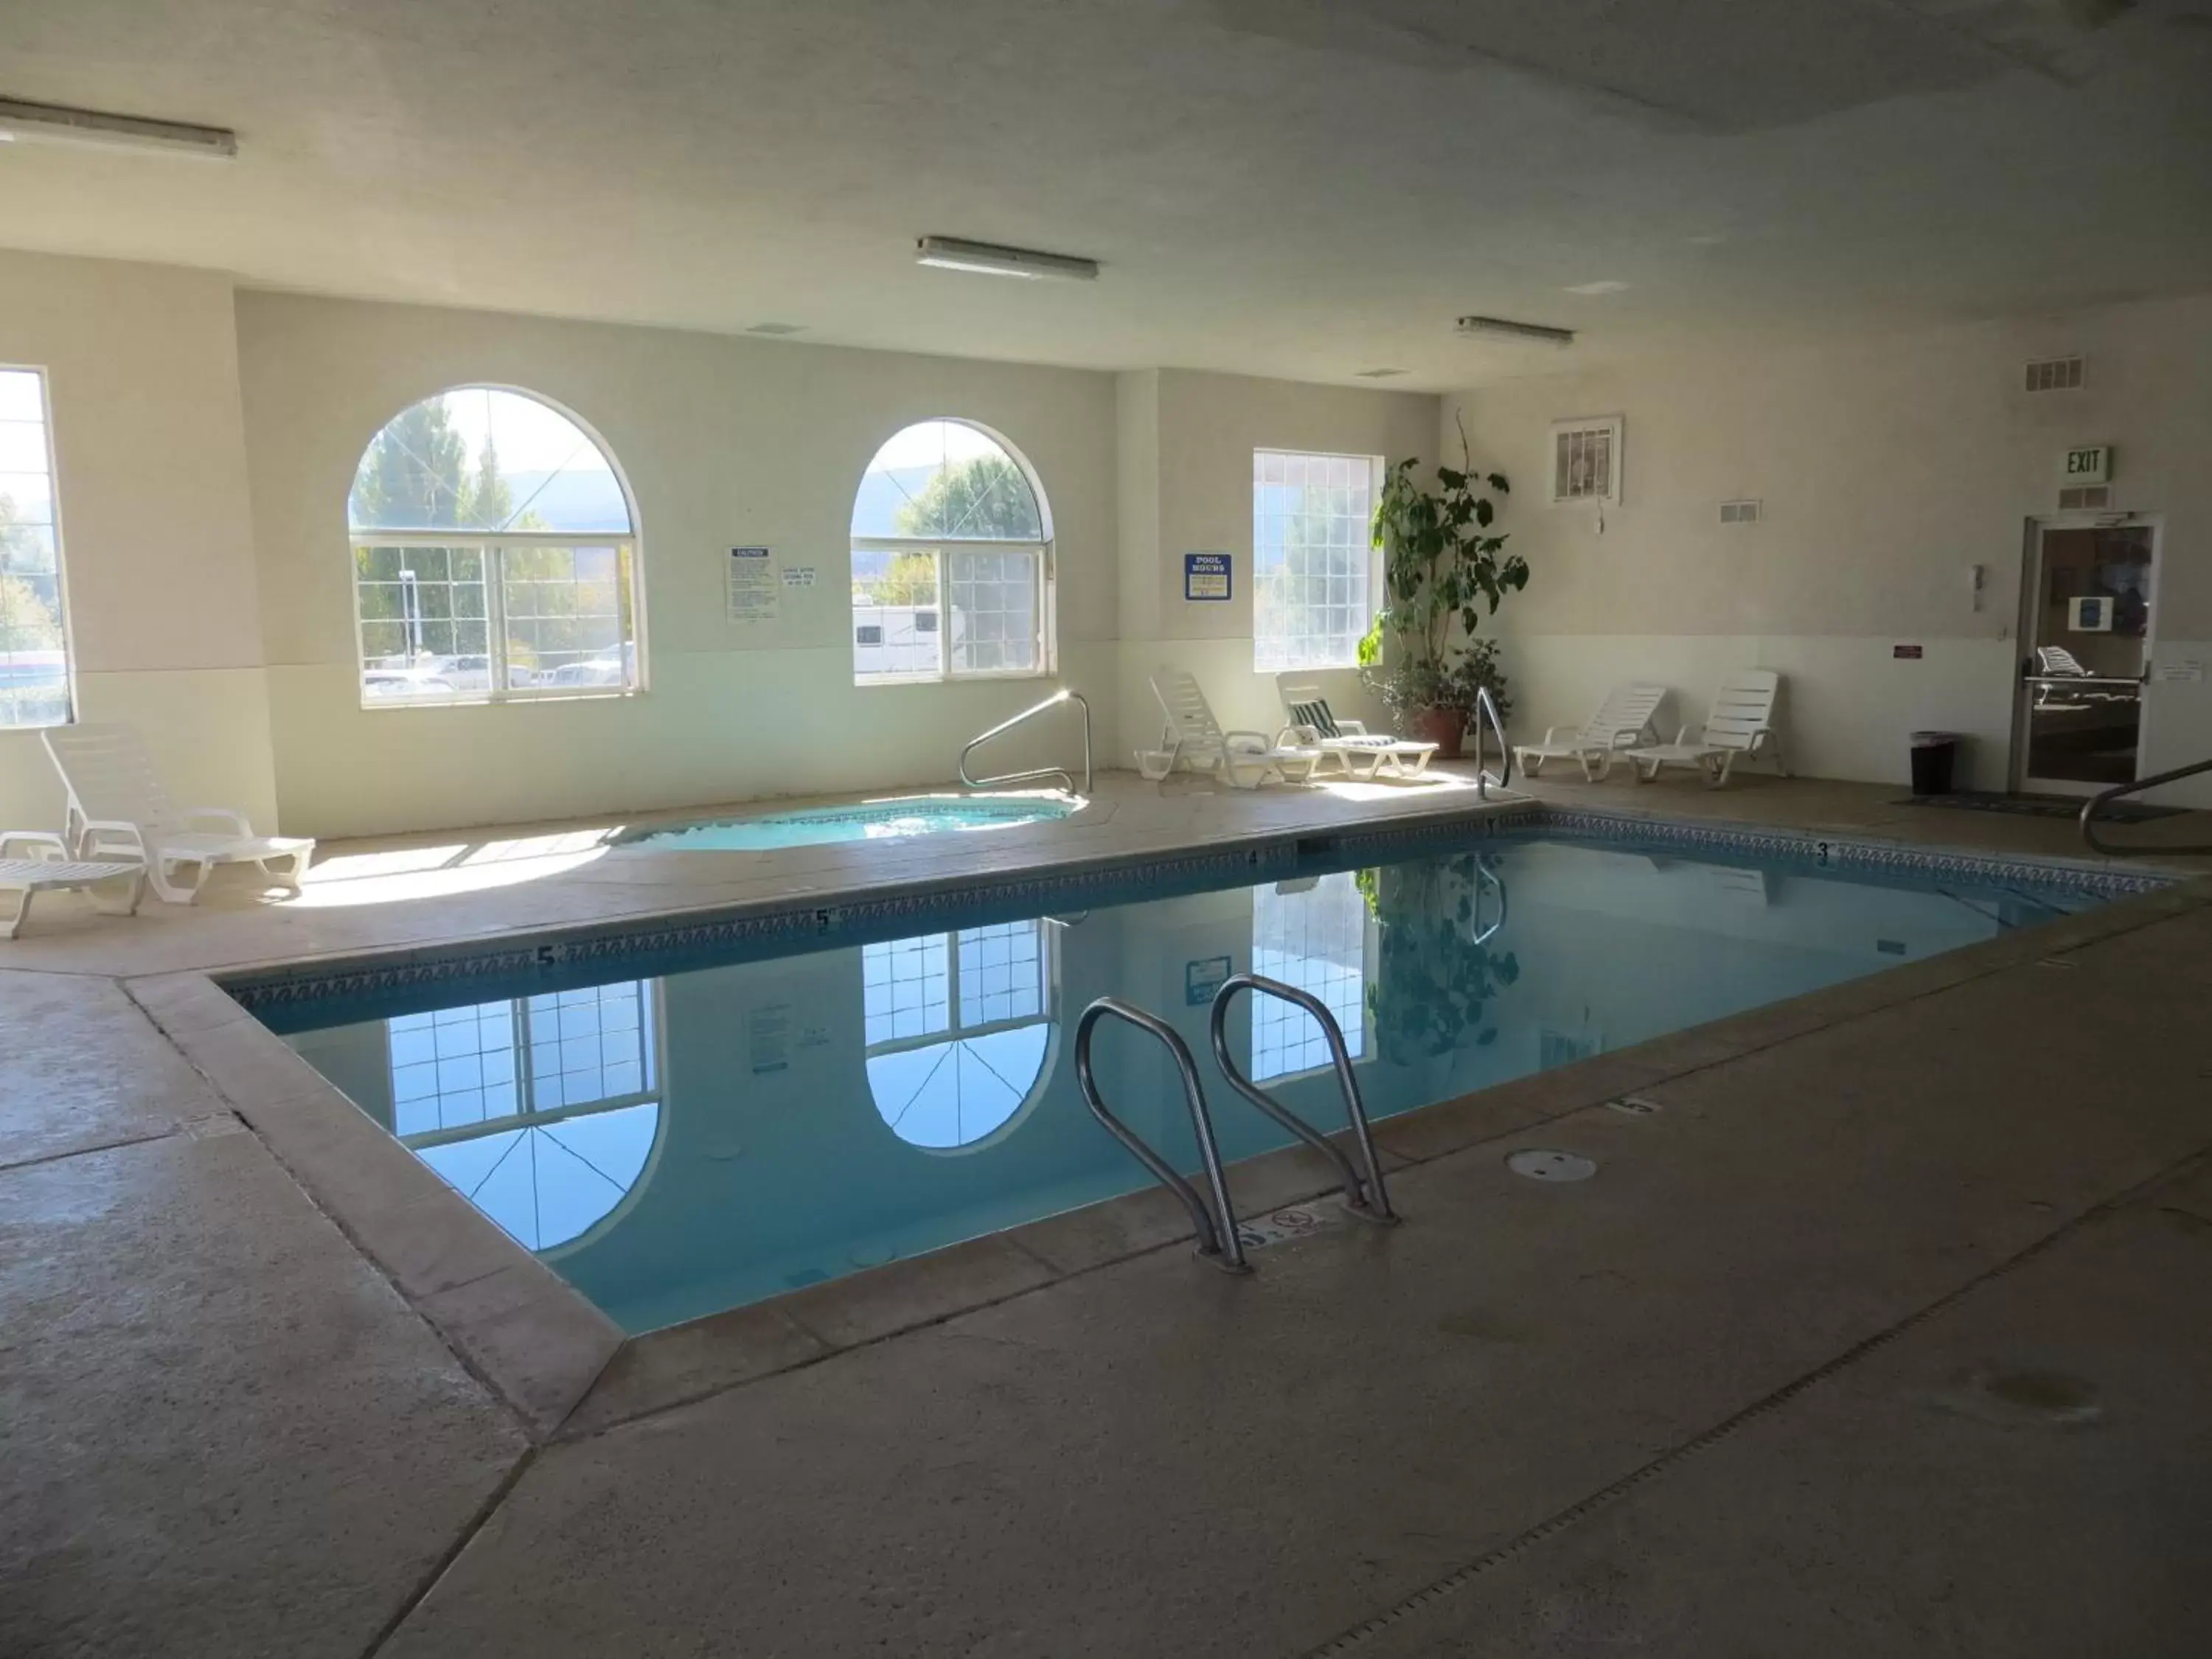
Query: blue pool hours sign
[1206,575]
[1203,980]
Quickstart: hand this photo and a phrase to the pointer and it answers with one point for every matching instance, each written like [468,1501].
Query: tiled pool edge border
[820,918]
[567,1370]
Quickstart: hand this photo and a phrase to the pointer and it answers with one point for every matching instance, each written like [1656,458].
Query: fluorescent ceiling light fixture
[1508,329]
[951,253]
[52,124]
[1598,287]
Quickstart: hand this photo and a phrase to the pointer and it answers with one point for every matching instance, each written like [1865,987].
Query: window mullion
[495,569]
[944,613]
[525,1083]
[952,983]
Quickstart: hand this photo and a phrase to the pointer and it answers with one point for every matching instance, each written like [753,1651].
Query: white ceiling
[1307,188]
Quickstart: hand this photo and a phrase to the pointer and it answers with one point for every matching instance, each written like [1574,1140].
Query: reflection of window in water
[542,1111]
[1316,939]
[956,1030]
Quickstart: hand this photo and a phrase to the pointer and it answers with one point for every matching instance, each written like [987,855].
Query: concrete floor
[1889,1335]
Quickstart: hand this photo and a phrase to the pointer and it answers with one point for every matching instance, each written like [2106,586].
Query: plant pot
[1443,727]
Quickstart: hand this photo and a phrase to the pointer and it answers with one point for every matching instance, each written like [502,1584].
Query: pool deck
[1890,1331]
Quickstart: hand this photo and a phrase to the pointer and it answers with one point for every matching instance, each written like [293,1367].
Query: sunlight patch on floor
[395,874]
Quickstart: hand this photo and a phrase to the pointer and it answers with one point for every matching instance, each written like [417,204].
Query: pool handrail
[1363,1195]
[2097,802]
[1000,781]
[1486,713]
[1218,1239]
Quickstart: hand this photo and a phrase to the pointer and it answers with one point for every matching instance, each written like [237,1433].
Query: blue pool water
[677,1139]
[923,815]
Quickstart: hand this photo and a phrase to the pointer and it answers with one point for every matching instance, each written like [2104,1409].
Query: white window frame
[953,1030]
[1371,567]
[652,1042]
[936,547]
[1613,431]
[1041,554]
[1271,1013]
[69,713]
[492,545]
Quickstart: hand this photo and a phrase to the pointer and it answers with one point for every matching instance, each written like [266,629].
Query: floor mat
[2039,806]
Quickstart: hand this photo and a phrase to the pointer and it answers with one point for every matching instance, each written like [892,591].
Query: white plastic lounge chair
[115,887]
[1313,726]
[1193,737]
[118,808]
[1622,722]
[1740,724]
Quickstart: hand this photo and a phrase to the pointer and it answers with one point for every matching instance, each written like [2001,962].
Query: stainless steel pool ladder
[1036,774]
[1217,1228]
[1364,1192]
[1486,714]
[1218,1237]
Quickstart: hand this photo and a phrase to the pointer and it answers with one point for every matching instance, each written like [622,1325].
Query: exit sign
[2092,463]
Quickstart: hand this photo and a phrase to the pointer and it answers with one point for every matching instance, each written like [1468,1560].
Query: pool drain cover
[1541,1164]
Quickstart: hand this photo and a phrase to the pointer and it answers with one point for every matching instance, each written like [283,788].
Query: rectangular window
[461,1069]
[1312,557]
[972,981]
[1314,937]
[34,668]
[511,616]
[923,613]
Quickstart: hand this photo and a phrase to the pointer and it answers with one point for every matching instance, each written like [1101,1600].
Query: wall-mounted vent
[1740,512]
[1586,459]
[2055,375]
[2085,498]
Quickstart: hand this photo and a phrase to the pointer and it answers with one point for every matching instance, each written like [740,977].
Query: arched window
[495,556]
[544,1112]
[957,1029]
[951,560]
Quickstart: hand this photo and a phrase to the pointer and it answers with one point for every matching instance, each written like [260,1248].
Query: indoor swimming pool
[678,1135]
[923,815]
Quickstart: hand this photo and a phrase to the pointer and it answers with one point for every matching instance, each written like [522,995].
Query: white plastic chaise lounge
[1347,742]
[1193,737]
[120,808]
[1741,726]
[1622,722]
[115,886]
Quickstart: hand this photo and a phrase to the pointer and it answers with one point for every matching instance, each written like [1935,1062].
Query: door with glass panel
[2085,630]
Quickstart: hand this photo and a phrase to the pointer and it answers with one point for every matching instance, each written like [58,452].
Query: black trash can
[1934,755]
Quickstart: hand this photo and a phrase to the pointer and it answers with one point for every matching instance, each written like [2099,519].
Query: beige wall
[142,368]
[1188,489]
[208,600]
[724,441]
[1887,467]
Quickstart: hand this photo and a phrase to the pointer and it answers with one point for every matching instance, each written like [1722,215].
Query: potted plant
[1439,558]
[1437,974]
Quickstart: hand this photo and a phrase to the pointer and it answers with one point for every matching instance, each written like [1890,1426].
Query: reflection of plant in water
[1434,981]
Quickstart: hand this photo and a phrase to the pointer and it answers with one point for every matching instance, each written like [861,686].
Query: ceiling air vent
[2055,375]
[1586,459]
[1740,512]
[2085,498]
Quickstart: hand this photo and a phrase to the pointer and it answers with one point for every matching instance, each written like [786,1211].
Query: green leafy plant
[1443,569]
[1433,981]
